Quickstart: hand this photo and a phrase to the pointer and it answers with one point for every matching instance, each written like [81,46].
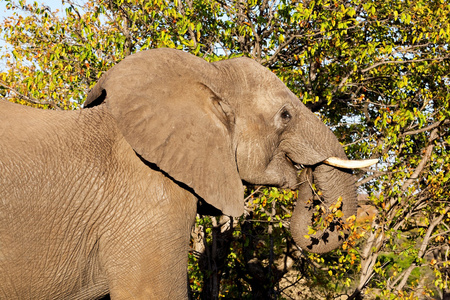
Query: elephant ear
[172,117]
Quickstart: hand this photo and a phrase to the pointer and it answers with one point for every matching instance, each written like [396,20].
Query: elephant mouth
[295,165]
[291,180]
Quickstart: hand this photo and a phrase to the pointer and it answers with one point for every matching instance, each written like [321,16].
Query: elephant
[101,200]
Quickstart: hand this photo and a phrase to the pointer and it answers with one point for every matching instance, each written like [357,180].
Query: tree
[375,71]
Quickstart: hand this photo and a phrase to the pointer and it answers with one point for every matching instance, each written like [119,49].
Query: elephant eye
[286,115]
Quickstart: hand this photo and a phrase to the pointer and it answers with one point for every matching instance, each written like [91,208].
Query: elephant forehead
[267,101]
[260,86]
[245,72]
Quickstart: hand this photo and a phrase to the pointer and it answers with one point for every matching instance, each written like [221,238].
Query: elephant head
[212,126]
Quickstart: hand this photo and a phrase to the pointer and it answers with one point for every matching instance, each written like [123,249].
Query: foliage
[375,71]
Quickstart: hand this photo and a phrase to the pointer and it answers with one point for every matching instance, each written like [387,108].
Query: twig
[253,193]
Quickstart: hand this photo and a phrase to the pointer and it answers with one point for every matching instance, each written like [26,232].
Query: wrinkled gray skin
[102,200]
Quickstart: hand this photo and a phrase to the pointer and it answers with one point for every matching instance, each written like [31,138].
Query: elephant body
[102,200]
[62,237]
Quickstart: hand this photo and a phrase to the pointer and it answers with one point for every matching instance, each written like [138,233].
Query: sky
[53,4]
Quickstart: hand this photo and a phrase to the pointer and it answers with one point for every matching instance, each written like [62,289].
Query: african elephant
[102,200]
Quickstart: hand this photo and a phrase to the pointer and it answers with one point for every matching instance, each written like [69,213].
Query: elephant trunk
[333,183]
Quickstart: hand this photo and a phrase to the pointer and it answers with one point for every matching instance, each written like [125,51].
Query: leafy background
[376,72]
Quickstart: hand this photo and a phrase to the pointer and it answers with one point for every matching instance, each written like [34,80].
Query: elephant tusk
[349,164]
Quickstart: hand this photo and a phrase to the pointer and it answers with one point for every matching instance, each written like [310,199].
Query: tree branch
[29,99]
[432,126]
[403,62]
[422,249]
